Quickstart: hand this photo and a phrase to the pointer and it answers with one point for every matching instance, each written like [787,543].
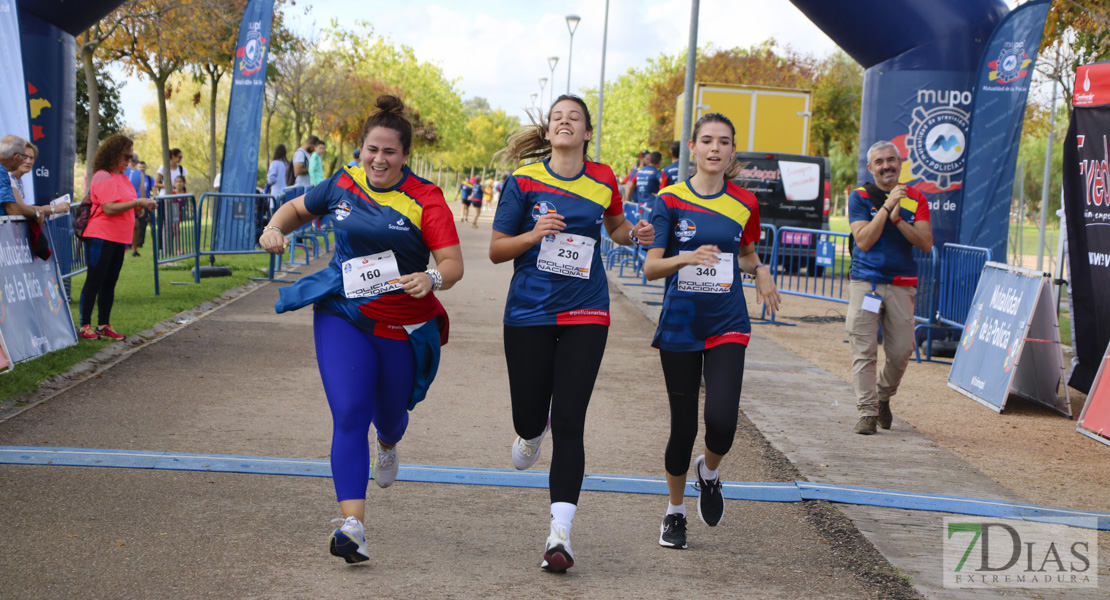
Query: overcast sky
[498,49]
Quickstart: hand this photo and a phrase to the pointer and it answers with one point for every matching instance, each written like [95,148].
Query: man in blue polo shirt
[670,172]
[888,219]
[648,182]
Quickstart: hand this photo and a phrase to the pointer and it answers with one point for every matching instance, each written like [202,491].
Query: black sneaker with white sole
[672,533]
[711,503]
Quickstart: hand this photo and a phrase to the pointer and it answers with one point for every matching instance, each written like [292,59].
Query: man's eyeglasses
[25,156]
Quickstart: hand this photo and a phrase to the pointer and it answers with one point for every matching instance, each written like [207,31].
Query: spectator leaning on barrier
[301,160]
[17,158]
[316,163]
[888,220]
[111,227]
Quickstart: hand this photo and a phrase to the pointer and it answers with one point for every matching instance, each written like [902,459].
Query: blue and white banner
[998,110]
[50,64]
[34,315]
[239,171]
[13,103]
[1011,341]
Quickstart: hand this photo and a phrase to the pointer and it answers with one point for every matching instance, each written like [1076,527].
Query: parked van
[793,191]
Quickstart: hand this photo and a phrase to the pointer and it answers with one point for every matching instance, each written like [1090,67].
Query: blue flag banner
[34,315]
[239,170]
[13,104]
[1011,341]
[997,112]
[50,64]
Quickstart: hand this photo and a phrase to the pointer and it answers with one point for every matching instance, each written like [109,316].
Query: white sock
[535,440]
[562,514]
[676,509]
[706,474]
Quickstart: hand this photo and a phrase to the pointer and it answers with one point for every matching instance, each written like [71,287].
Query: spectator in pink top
[111,227]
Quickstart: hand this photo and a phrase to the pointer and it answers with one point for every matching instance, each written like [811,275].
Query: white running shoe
[525,454]
[557,556]
[349,541]
[385,465]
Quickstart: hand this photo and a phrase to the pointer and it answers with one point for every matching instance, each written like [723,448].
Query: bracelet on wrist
[436,277]
[274,227]
[895,219]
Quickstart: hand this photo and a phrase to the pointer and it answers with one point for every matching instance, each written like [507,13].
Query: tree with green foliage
[110,118]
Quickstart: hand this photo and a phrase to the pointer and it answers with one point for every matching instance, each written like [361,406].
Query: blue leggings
[367,379]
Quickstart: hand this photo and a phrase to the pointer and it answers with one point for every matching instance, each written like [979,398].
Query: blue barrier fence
[236,224]
[960,267]
[69,250]
[175,233]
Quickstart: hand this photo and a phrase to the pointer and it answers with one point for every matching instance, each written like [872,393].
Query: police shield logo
[342,210]
[542,208]
[684,230]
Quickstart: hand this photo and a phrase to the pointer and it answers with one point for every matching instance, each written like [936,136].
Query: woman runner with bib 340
[378,326]
[706,229]
[548,223]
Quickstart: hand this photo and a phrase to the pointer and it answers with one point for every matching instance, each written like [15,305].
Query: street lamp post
[572,24]
[543,82]
[601,87]
[534,94]
[552,60]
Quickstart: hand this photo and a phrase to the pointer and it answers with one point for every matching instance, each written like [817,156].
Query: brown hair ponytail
[529,142]
[390,114]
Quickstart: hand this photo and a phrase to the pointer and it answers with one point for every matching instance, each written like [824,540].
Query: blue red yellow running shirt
[411,219]
[648,181]
[670,174]
[683,222]
[540,297]
[890,260]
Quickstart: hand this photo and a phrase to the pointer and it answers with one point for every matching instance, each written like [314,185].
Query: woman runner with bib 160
[548,223]
[377,325]
[706,229]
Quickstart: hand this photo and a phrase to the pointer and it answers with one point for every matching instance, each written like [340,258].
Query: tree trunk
[164,129]
[93,142]
[214,75]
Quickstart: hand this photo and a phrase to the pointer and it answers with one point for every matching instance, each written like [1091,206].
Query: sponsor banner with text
[34,316]
[1087,208]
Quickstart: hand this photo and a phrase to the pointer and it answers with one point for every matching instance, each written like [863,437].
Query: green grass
[136,309]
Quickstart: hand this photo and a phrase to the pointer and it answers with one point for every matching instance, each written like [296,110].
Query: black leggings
[724,376]
[554,367]
[104,259]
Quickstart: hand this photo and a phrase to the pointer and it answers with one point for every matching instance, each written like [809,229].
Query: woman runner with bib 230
[706,229]
[548,223]
[377,325]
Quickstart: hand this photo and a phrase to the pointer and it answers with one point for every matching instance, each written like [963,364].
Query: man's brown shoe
[866,425]
[885,416]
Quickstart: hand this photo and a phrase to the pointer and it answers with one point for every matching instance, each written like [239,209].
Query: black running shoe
[711,503]
[672,533]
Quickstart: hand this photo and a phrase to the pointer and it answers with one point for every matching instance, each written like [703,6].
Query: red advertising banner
[1094,421]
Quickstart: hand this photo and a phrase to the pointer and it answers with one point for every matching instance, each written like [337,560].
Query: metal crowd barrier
[69,250]
[960,268]
[928,294]
[236,224]
[824,256]
[175,233]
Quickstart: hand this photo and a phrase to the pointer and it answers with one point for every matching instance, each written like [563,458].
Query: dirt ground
[1003,446]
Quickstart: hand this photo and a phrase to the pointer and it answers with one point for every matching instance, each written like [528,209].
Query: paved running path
[243,381]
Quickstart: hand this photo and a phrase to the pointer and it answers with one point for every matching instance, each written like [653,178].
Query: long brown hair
[107,156]
[734,165]
[391,115]
[529,142]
